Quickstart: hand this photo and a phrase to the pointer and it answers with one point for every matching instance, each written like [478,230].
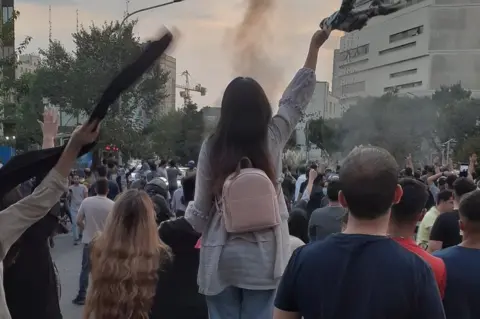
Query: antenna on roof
[127,7]
[50,24]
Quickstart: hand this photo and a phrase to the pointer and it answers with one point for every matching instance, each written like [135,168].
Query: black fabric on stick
[38,163]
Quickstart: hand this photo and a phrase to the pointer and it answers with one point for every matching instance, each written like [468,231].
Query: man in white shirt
[92,217]
[77,193]
[300,180]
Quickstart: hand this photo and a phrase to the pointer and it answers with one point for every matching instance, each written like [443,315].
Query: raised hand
[50,123]
[84,135]
[319,37]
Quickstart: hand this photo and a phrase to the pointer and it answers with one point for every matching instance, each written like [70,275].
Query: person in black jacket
[177,294]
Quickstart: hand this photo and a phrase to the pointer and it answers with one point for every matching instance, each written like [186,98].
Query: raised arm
[298,93]
[49,127]
[198,211]
[15,219]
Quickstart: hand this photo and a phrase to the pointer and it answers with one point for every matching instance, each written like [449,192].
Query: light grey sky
[205,25]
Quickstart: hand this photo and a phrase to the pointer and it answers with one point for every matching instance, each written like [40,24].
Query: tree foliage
[74,82]
[179,134]
[406,125]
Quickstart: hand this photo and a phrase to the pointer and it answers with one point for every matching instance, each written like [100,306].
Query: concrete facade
[169,64]
[27,63]
[7,128]
[323,104]
[426,45]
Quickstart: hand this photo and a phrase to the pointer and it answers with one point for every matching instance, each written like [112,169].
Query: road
[68,259]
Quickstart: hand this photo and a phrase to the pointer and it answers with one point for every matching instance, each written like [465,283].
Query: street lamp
[147,9]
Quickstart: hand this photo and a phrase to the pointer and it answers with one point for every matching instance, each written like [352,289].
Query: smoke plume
[251,44]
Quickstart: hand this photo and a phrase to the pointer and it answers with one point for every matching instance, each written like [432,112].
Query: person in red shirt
[404,217]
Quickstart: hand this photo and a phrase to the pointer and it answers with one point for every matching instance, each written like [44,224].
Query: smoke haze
[251,45]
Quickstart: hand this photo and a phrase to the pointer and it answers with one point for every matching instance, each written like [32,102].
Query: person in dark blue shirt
[361,273]
[463,262]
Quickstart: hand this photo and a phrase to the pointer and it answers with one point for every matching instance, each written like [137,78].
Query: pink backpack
[249,200]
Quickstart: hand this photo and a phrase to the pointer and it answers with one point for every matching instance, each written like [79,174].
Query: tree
[448,119]
[75,81]
[324,133]
[179,134]
[399,124]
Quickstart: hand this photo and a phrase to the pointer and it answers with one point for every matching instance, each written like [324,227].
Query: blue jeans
[237,303]
[73,215]
[84,273]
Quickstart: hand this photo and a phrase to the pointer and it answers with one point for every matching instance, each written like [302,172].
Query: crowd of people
[242,238]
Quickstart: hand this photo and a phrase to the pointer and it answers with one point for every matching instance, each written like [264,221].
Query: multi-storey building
[27,63]
[323,104]
[7,45]
[416,50]
[169,64]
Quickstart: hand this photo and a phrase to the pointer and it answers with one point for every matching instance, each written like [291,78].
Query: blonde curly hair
[125,260]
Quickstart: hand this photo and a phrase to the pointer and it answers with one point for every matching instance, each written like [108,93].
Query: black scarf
[38,163]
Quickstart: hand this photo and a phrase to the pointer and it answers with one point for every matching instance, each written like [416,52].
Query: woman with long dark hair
[239,273]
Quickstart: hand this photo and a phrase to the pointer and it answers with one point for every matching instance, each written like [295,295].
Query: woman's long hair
[242,131]
[125,260]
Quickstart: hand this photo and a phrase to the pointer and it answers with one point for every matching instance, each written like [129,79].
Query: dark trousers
[83,284]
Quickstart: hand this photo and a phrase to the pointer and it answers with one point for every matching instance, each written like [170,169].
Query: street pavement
[68,259]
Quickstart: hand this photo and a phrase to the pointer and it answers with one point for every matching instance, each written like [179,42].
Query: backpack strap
[243,160]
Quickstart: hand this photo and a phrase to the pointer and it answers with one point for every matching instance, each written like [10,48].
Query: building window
[7,14]
[403,73]
[353,87]
[402,86]
[352,64]
[354,53]
[406,34]
[398,48]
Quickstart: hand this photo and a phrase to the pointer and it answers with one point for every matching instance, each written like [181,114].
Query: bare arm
[81,217]
[297,95]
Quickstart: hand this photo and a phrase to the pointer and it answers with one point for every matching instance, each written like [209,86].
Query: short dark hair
[415,196]
[408,171]
[163,162]
[101,186]
[102,171]
[429,169]
[462,186]
[444,196]
[369,178]
[172,163]
[333,188]
[302,170]
[442,181]
[451,180]
[188,185]
[469,206]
